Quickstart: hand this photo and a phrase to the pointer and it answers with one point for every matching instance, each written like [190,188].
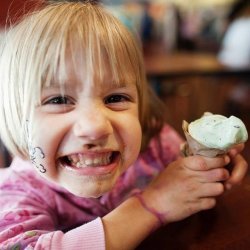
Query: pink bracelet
[159,216]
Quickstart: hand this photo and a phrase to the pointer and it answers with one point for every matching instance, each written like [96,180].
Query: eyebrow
[116,84]
[68,84]
[56,84]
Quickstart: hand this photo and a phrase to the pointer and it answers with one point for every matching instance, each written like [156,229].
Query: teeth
[96,161]
[88,162]
[73,159]
[80,161]
[78,164]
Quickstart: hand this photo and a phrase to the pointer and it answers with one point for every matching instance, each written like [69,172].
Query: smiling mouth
[95,160]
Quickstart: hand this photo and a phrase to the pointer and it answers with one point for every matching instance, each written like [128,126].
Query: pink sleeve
[89,236]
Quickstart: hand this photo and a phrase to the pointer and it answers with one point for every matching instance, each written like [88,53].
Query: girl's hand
[238,165]
[187,186]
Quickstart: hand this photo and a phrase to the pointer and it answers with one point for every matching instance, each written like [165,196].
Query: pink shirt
[37,214]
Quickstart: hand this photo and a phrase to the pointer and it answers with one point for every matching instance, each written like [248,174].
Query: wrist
[161,220]
[130,222]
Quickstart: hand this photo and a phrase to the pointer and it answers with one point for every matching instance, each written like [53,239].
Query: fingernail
[233,152]
[226,159]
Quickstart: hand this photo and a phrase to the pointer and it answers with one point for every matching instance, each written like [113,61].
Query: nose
[92,124]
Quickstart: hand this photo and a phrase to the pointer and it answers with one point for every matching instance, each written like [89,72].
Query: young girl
[76,112]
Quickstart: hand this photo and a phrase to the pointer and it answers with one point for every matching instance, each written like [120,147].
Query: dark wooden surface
[161,65]
[227,226]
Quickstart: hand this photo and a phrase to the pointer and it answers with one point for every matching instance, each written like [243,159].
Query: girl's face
[84,137]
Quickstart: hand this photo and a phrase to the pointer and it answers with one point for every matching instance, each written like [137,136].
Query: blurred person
[235,53]
[147,23]
[235,49]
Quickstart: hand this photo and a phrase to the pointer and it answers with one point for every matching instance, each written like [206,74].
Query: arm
[127,225]
[185,187]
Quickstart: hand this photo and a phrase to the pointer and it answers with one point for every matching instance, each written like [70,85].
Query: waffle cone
[193,147]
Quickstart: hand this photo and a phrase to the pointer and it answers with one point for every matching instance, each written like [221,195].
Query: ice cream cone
[193,147]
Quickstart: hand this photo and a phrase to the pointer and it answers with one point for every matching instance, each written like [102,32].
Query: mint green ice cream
[217,131]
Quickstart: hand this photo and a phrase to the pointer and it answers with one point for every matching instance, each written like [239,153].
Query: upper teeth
[80,160]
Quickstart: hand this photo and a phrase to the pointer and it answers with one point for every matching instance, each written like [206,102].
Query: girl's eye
[116,99]
[59,100]
[58,104]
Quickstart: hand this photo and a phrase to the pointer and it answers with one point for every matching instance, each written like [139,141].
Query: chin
[88,192]
[86,195]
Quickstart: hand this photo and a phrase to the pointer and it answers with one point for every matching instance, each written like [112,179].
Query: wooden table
[227,226]
[161,64]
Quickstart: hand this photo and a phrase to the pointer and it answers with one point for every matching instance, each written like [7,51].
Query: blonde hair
[35,51]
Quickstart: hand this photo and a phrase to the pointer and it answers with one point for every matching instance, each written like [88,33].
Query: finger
[214,175]
[200,163]
[211,190]
[236,149]
[200,204]
[207,203]
[239,171]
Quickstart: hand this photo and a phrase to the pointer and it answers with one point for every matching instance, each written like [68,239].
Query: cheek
[132,141]
[47,131]
[45,136]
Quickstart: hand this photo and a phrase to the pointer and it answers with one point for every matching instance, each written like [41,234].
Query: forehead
[78,77]
[82,65]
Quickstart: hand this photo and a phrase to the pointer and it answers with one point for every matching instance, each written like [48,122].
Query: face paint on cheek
[36,156]
[36,153]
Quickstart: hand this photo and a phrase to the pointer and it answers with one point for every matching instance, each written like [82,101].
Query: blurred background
[196,53]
